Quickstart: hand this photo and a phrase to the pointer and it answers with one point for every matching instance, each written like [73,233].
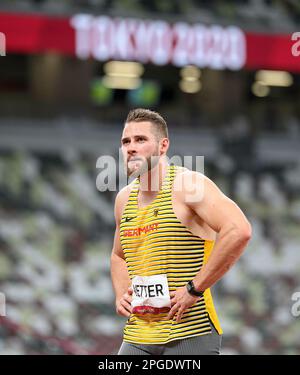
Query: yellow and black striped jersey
[154,241]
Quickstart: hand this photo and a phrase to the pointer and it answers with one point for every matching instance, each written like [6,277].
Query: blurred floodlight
[147,95]
[100,94]
[121,82]
[123,69]
[190,87]
[190,72]
[260,89]
[274,78]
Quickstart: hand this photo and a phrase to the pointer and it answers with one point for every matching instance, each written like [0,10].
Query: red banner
[156,42]
[272,52]
[37,34]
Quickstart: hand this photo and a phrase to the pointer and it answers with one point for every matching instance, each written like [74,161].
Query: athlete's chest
[145,200]
[141,223]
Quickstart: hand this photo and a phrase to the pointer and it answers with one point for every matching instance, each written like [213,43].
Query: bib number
[150,295]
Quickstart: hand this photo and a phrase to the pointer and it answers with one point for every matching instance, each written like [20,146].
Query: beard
[145,166]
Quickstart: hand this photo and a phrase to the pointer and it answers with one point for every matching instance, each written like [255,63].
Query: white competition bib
[150,295]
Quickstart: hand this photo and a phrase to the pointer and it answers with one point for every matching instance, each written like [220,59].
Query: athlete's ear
[163,145]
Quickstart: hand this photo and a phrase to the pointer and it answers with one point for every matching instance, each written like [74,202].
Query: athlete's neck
[151,182]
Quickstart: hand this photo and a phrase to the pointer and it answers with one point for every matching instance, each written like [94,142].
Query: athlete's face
[140,147]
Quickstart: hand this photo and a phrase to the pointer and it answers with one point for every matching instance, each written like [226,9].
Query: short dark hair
[142,114]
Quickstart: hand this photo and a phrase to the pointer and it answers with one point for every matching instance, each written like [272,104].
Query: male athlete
[176,235]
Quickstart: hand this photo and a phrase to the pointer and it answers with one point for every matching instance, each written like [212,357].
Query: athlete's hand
[181,300]
[123,305]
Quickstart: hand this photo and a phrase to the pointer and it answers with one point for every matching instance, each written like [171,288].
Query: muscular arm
[225,218]
[234,232]
[119,274]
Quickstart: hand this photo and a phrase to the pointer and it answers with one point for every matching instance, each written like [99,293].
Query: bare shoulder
[121,199]
[187,181]
[187,174]
[192,186]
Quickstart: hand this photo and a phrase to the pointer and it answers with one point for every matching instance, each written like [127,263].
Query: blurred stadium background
[225,74]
